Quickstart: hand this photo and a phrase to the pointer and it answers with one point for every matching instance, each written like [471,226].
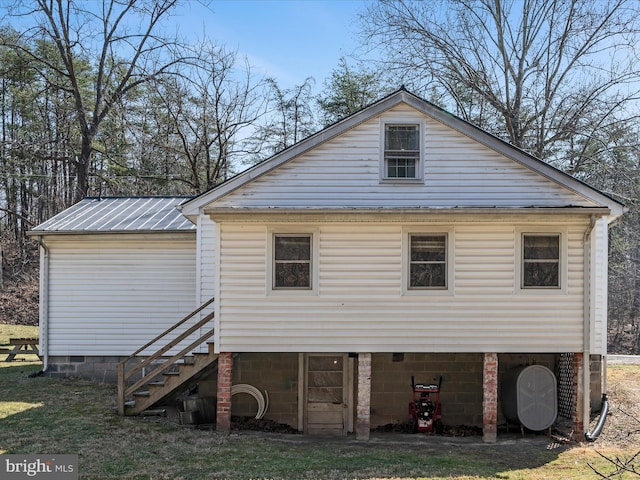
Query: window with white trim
[540,260]
[292,254]
[402,151]
[428,261]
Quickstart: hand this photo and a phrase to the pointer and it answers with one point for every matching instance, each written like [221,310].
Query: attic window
[401,151]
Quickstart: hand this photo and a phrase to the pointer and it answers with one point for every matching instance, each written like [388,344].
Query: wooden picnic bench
[20,346]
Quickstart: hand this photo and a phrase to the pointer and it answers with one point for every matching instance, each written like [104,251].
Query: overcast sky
[289,40]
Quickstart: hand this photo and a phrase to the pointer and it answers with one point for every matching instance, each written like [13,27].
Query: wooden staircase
[143,381]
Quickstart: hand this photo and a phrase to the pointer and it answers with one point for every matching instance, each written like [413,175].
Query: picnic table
[18,346]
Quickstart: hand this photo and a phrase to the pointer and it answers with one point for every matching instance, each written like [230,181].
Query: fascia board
[402,214]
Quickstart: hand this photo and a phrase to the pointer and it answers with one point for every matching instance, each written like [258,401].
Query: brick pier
[490,398]
[223,412]
[363,420]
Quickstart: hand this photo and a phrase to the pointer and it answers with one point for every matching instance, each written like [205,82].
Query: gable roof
[191,207]
[118,215]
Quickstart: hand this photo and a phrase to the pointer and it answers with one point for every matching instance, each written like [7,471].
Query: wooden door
[326,394]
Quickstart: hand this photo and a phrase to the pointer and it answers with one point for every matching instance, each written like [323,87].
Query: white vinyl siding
[345,172]
[111,294]
[207,261]
[365,263]
[206,267]
[480,250]
[360,306]
[599,287]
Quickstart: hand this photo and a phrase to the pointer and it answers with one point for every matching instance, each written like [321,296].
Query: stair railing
[125,375]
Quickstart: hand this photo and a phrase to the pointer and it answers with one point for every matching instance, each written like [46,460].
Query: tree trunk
[82,168]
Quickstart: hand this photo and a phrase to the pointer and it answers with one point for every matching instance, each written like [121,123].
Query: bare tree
[623,466]
[290,117]
[211,109]
[119,39]
[538,73]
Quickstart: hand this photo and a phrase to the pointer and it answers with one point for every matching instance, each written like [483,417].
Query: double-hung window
[540,260]
[427,261]
[402,151]
[292,255]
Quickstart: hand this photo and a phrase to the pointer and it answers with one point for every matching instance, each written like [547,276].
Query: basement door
[326,394]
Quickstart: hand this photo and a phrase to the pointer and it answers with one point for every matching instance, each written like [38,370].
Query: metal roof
[119,214]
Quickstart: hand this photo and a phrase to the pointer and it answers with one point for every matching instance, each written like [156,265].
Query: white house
[399,242]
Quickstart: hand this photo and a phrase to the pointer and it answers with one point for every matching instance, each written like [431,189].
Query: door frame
[348,391]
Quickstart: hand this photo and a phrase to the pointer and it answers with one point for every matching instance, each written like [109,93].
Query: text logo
[49,467]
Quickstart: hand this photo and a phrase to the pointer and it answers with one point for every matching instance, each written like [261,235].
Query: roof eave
[41,233]
[399,212]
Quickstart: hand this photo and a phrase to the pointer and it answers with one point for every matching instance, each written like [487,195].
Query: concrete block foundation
[462,395]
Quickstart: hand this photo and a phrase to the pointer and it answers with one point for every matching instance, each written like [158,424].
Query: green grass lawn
[42,415]
[17,331]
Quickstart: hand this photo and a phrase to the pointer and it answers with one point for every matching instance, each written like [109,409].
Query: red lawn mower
[425,410]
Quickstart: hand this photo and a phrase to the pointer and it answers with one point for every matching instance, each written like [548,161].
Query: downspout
[604,372]
[604,411]
[586,348]
[44,307]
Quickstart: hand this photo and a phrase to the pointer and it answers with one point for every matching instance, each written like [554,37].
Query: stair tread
[153,391]
[184,361]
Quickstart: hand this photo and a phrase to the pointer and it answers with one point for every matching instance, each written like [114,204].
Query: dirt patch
[449,430]
[262,425]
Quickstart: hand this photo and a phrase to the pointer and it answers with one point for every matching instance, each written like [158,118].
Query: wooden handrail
[168,364]
[124,375]
[168,346]
[166,332]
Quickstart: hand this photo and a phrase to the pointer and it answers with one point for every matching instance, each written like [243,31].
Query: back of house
[400,242]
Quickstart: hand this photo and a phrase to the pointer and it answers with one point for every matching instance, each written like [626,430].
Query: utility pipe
[263,401]
[604,411]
